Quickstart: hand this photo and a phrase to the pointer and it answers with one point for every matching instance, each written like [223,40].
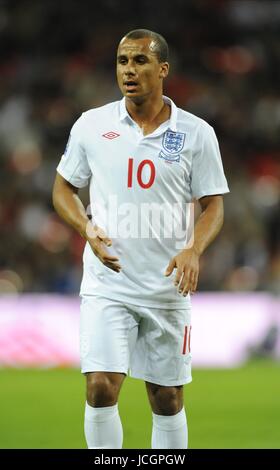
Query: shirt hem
[71,179]
[142,302]
[212,192]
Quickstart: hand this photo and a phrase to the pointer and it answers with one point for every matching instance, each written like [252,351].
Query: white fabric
[103,428]
[184,155]
[153,344]
[170,432]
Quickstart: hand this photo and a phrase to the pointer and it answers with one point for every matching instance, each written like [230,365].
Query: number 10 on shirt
[130,179]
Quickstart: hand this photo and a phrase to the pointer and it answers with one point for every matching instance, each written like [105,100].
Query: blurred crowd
[57,59]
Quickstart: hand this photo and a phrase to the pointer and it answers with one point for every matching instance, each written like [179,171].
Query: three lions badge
[172,143]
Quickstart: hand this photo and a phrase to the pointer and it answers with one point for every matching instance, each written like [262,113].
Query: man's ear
[164,69]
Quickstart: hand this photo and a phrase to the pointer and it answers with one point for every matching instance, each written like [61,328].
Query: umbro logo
[110,135]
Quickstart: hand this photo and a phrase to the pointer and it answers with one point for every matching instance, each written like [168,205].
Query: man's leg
[170,429]
[103,428]
[105,327]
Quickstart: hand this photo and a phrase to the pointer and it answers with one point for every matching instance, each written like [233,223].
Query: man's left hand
[187,264]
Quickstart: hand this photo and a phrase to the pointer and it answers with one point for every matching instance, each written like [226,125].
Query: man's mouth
[130,85]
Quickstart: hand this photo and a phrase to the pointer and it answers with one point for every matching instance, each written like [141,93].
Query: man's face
[139,73]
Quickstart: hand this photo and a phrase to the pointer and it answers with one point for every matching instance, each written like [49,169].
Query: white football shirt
[141,190]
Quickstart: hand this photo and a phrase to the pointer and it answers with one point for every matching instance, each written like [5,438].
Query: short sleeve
[207,175]
[73,165]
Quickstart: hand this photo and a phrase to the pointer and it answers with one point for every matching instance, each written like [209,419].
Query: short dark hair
[161,49]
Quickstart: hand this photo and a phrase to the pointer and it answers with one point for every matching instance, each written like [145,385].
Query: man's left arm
[206,229]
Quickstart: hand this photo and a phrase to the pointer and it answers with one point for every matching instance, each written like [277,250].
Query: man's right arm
[70,208]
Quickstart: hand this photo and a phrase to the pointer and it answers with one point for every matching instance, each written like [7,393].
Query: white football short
[153,344]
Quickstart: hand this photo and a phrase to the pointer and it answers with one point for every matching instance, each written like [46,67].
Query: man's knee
[165,400]
[103,388]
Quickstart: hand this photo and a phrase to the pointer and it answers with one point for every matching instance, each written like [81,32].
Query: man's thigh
[105,331]
[162,353]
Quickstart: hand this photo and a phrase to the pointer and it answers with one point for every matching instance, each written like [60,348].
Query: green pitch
[236,408]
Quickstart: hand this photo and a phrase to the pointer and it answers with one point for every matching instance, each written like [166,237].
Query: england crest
[173,142]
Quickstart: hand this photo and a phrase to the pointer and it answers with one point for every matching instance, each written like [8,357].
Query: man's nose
[130,69]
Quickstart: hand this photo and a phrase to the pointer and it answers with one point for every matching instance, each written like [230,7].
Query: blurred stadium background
[57,59]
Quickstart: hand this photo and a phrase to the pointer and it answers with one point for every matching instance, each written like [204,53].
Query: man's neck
[148,114]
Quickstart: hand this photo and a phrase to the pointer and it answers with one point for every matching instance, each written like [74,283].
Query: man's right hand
[98,241]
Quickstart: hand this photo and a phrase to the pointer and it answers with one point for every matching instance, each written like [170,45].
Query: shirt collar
[173,116]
